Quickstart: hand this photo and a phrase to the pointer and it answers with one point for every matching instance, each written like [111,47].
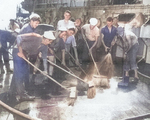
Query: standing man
[90,33]
[108,34]
[5,37]
[66,21]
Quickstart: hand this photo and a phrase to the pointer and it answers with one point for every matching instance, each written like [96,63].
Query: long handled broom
[106,66]
[77,64]
[73,92]
[93,89]
[91,85]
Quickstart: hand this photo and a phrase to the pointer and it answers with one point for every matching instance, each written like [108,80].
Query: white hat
[62,29]
[34,15]
[49,35]
[93,21]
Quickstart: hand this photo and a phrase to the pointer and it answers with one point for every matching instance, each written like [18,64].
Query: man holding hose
[27,44]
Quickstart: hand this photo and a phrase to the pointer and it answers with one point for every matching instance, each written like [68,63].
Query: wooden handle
[14,111]
[66,71]
[45,74]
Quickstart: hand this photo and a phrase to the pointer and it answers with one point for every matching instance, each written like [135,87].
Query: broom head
[91,91]
[72,96]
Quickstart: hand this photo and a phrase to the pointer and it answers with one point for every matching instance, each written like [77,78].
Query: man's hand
[21,55]
[106,49]
[90,50]
[51,51]
[63,63]
[40,55]
[113,43]
[77,62]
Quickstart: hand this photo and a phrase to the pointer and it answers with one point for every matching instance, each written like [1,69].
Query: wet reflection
[109,104]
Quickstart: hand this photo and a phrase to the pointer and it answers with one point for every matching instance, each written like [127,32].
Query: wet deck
[115,103]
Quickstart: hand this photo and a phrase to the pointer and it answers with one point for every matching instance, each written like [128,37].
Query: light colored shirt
[91,34]
[62,23]
[70,42]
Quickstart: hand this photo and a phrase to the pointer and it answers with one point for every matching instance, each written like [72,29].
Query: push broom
[78,63]
[73,91]
[106,67]
[92,92]
[93,89]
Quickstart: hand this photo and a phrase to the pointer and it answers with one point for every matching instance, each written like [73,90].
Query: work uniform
[5,37]
[69,43]
[20,79]
[28,29]
[131,46]
[91,35]
[62,23]
[108,36]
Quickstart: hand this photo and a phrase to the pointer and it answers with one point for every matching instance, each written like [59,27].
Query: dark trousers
[4,58]
[20,79]
[130,62]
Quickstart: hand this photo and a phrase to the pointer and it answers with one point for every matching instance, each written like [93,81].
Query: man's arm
[20,39]
[106,48]
[114,41]
[96,38]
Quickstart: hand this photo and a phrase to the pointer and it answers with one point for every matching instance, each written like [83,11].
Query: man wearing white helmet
[90,33]
[27,45]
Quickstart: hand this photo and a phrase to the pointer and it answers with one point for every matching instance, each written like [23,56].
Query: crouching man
[27,44]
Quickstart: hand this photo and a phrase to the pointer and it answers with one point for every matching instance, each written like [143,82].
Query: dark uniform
[5,37]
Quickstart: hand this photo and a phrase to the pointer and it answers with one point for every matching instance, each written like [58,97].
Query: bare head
[35,20]
[67,15]
[109,21]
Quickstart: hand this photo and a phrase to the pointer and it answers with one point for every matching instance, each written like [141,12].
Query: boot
[124,82]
